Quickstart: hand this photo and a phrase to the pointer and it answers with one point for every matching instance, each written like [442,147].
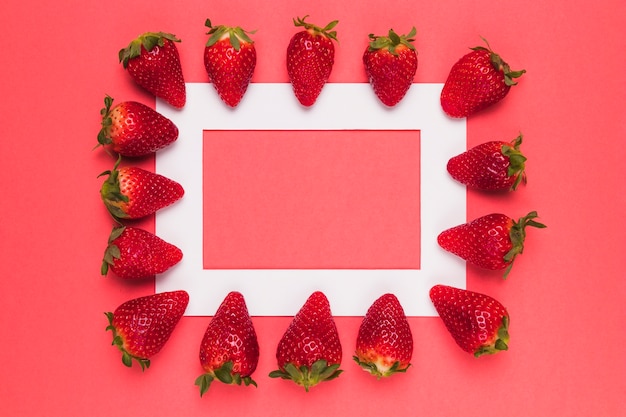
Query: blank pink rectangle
[311,199]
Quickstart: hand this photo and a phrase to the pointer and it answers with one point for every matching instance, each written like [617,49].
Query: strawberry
[390,64]
[142,326]
[134,129]
[229,60]
[384,344]
[494,165]
[491,242]
[310,59]
[133,192]
[476,81]
[478,323]
[152,60]
[310,351]
[134,253]
[229,351]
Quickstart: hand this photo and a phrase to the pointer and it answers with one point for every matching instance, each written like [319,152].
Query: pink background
[565,294]
[312,199]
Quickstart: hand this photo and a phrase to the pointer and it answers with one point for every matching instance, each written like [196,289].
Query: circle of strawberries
[310,351]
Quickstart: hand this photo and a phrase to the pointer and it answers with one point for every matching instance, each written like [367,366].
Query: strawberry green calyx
[517,162]
[112,252]
[501,341]
[392,41]
[148,40]
[373,368]
[316,30]
[111,193]
[235,34]
[225,375]
[320,371]
[103,136]
[127,358]
[501,66]
[517,235]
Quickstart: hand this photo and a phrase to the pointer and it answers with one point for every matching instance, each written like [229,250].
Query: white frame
[281,292]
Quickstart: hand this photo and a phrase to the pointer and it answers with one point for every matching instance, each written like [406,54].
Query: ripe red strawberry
[152,60]
[229,59]
[134,129]
[142,326]
[390,64]
[310,59]
[310,351]
[491,242]
[384,344]
[133,192]
[229,351]
[491,166]
[478,323]
[134,253]
[476,81]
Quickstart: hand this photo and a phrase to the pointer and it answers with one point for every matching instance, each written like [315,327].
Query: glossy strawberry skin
[133,129]
[310,59]
[133,192]
[229,59]
[384,343]
[229,351]
[490,166]
[478,80]
[142,326]
[134,253]
[153,62]
[477,322]
[310,351]
[390,65]
[491,241]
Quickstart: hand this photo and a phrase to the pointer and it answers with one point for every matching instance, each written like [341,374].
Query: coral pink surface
[565,294]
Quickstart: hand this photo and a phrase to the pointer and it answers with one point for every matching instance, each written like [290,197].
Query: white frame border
[350,106]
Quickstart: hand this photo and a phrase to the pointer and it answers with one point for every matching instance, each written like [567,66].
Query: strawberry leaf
[204,382]
[234,41]
[118,341]
[148,40]
[279,374]
[331,372]
[517,162]
[517,234]
[249,381]
[316,30]
[224,373]
[319,371]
